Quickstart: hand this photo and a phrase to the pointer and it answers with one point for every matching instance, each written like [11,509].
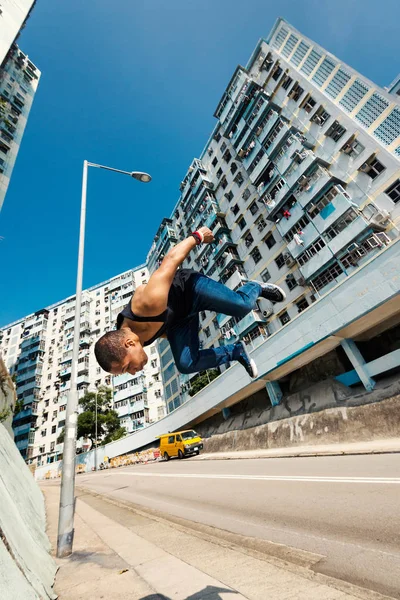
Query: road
[345,508]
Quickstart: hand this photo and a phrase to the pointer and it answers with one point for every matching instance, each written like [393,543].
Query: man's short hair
[110,349]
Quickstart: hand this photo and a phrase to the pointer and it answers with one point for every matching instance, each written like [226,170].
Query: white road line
[298,478]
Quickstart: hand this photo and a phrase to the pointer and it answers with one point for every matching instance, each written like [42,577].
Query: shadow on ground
[209,593]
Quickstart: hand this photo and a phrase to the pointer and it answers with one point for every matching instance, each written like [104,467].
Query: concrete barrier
[27,570]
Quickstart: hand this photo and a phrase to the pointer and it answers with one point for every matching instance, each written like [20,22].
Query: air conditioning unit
[353,247]
[301,281]
[317,119]
[365,168]
[267,313]
[261,58]
[380,219]
[292,95]
[242,153]
[259,131]
[289,260]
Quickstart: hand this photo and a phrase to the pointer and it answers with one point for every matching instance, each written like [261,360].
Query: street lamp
[67,497]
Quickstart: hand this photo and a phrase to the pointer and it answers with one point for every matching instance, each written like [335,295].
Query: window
[352,148]
[154,364]
[253,208]
[335,131]
[320,117]
[340,225]
[239,179]
[46,403]
[372,167]
[296,92]
[171,439]
[219,173]
[229,195]
[156,377]
[301,224]
[315,209]
[270,241]
[246,194]
[394,191]
[203,315]
[291,282]
[207,332]
[234,168]
[42,449]
[43,432]
[261,224]
[277,73]
[217,136]
[256,255]
[235,209]
[54,429]
[311,251]
[61,424]
[215,323]
[265,276]
[327,276]
[214,162]
[287,83]
[302,304]
[248,240]
[242,223]
[308,104]
[224,183]
[280,261]
[223,146]
[157,393]
[284,317]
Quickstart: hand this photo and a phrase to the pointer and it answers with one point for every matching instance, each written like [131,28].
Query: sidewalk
[372,447]
[123,553]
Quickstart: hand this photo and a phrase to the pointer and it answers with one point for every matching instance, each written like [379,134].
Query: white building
[13,16]
[38,350]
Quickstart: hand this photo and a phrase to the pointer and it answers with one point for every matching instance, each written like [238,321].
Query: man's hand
[207,234]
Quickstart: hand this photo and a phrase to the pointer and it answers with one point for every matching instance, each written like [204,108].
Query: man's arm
[155,296]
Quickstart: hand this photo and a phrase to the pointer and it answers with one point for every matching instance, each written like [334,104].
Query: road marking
[299,478]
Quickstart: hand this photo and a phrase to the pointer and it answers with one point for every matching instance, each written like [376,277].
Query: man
[169,306]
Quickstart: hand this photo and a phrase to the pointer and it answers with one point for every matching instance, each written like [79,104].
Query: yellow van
[180,444]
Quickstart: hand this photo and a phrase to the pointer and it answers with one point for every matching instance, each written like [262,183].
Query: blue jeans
[210,295]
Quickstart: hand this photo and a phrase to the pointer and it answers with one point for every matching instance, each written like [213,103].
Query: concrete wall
[27,570]
[8,397]
[321,414]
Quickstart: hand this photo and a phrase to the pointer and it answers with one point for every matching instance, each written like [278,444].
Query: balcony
[312,185]
[66,372]
[331,213]
[132,407]
[296,212]
[316,263]
[262,134]
[304,160]
[235,280]
[222,319]
[310,234]
[248,322]
[250,152]
[128,392]
[341,241]
[255,174]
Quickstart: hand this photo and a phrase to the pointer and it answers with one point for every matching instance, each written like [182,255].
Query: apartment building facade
[13,15]
[38,351]
[299,183]
[19,79]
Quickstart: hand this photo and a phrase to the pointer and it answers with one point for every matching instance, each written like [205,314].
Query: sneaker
[243,357]
[272,292]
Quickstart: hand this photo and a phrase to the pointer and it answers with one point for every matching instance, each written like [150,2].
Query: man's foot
[242,356]
[272,292]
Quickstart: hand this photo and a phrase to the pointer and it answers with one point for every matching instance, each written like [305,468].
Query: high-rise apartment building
[299,183]
[38,351]
[19,79]
[13,17]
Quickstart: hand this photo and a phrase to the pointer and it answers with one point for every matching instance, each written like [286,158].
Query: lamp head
[143,177]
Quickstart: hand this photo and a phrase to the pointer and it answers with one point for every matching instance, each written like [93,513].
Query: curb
[295,455]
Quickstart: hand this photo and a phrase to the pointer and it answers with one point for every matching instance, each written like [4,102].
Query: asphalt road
[345,508]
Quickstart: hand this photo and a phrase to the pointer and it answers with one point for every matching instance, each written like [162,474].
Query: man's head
[120,352]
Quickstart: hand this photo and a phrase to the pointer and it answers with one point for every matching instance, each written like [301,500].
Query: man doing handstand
[169,306]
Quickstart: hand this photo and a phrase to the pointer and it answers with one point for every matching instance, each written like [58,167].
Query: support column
[274,392]
[226,413]
[358,362]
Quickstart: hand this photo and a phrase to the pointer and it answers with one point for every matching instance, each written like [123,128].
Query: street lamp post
[95,437]
[67,497]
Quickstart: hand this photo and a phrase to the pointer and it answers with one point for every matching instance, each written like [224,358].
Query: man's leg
[184,341]
[212,295]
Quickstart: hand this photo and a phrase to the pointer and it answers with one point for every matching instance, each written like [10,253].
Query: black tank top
[178,306]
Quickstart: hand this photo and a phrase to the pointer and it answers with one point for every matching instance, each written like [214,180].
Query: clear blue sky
[134,84]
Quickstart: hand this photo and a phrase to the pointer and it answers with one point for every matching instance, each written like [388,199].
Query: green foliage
[4,414]
[203,379]
[108,426]
[19,405]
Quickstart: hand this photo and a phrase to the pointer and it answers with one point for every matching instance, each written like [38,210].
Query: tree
[108,426]
[203,379]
